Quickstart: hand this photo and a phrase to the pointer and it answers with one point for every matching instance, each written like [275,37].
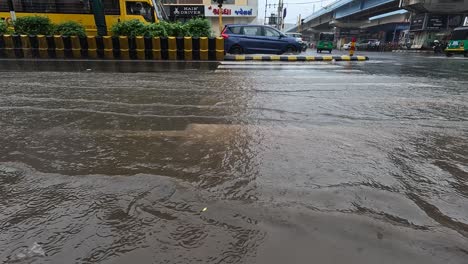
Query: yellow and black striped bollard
[124,50]
[156,50]
[203,48]
[76,47]
[92,48]
[172,48]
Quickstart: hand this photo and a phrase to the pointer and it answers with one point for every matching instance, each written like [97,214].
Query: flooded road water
[235,163]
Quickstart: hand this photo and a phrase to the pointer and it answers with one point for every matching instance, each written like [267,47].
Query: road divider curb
[293,58]
[111,47]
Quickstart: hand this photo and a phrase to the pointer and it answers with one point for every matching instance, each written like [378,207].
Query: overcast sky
[294,8]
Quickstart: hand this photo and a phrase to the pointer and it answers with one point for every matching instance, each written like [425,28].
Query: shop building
[234,11]
[433,20]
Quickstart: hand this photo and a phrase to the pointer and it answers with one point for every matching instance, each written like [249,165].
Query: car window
[252,31]
[271,32]
[235,30]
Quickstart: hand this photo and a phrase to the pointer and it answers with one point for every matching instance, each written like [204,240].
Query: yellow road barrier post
[43,47]
[92,48]
[203,48]
[26,45]
[59,47]
[9,46]
[172,48]
[124,51]
[140,47]
[188,48]
[76,46]
[156,48]
[108,50]
[219,48]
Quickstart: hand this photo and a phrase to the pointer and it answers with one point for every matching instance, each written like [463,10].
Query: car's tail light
[224,34]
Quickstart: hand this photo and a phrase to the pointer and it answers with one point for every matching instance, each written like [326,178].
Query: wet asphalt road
[346,162]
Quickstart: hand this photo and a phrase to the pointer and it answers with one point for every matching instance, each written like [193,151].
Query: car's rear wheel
[465,54]
[236,50]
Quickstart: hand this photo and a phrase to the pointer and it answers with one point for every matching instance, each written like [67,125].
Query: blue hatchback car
[240,39]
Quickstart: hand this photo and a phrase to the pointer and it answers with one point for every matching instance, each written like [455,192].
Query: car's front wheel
[290,49]
[236,50]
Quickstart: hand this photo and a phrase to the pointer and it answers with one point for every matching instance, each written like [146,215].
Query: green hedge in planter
[33,25]
[198,27]
[195,28]
[70,28]
[3,27]
[130,28]
[155,30]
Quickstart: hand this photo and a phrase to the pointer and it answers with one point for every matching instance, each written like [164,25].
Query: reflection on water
[328,165]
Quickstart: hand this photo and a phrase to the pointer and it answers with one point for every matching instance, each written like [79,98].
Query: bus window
[45,6]
[140,9]
[111,7]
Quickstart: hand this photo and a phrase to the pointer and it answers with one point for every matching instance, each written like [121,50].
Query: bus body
[458,42]
[80,11]
[325,42]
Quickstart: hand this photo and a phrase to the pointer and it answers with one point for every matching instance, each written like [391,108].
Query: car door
[274,42]
[252,39]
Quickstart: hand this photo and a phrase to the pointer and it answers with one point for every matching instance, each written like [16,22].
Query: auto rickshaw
[458,43]
[325,42]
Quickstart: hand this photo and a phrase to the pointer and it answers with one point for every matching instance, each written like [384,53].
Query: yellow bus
[80,11]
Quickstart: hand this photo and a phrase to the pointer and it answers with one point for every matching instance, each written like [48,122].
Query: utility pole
[265,21]
[11,7]
[220,16]
[280,14]
[99,17]
[299,24]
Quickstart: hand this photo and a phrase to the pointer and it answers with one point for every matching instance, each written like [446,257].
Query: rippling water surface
[329,163]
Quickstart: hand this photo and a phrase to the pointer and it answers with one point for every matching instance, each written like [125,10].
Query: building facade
[234,11]
[433,20]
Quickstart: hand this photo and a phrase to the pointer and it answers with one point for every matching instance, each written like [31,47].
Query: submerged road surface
[124,162]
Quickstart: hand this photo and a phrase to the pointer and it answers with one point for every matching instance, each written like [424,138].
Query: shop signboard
[231,11]
[417,22]
[187,10]
[436,22]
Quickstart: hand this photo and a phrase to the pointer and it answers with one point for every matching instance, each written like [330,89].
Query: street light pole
[220,16]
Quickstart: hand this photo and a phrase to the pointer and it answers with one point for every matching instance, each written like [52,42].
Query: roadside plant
[155,30]
[70,28]
[129,28]
[174,29]
[198,27]
[33,25]
[3,27]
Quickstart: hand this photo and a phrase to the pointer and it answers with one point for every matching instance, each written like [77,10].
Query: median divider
[293,58]
[109,47]
[136,48]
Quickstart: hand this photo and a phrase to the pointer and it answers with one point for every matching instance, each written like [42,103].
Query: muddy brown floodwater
[104,162]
